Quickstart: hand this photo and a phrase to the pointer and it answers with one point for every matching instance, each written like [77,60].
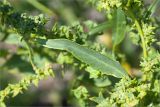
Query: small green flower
[108,4]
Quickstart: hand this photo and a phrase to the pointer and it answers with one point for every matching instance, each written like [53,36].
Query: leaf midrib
[68,48]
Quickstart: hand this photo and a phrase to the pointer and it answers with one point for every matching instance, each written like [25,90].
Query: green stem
[128,3]
[42,7]
[31,57]
[140,31]
[151,8]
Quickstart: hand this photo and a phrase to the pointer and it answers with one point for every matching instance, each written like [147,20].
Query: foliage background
[14,64]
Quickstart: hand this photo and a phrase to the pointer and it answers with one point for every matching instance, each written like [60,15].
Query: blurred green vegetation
[14,64]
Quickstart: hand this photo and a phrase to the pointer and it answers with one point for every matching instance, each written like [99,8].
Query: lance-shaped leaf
[119,27]
[100,28]
[94,59]
[152,8]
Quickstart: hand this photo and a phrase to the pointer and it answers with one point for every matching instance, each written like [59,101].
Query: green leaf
[100,28]
[16,90]
[61,59]
[102,82]
[35,82]
[119,27]
[2,104]
[152,8]
[94,59]
[92,72]
[98,99]
[81,92]
[41,7]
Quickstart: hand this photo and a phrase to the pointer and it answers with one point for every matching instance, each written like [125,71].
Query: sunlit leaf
[94,59]
[100,28]
[119,27]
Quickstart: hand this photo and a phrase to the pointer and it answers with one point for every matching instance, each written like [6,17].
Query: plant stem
[42,7]
[140,31]
[142,38]
[31,57]
[128,3]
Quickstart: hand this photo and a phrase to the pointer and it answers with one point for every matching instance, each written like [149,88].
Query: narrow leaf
[152,8]
[119,27]
[98,99]
[100,28]
[94,59]
[41,7]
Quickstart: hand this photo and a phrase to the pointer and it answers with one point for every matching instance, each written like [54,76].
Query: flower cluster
[151,63]
[75,32]
[128,91]
[108,4]
[148,30]
[35,25]
[132,92]
[22,23]
[15,89]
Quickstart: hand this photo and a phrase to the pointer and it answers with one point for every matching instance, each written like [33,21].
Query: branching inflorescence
[128,91]
[135,92]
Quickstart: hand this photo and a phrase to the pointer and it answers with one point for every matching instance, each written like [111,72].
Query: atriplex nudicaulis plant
[142,91]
